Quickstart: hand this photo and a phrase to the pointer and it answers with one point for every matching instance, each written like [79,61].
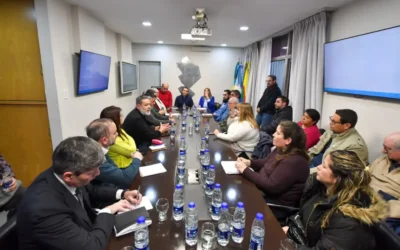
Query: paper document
[207,115]
[201,108]
[229,167]
[152,170]
[175,114]
[157,147]
[146,203]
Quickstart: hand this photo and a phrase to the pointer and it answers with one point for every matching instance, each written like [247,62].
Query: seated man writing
[385,175]
[342,136]
[56,210]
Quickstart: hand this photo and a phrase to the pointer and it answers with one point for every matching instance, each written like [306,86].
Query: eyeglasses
[333,121]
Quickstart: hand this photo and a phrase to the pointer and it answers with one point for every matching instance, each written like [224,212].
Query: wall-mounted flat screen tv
[366,65]
[128,77]
[94,72]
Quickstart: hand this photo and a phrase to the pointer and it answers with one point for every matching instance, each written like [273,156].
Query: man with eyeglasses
[104,132]
[342,136]
[385,178]
[232,113]
[223,112]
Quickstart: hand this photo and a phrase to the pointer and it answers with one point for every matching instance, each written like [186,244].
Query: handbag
[296,230]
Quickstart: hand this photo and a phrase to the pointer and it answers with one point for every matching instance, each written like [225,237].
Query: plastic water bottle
[224,231]
[191,224]
[178,203]
[203,145]
[210,180]
[190,128]
[182,156]
[172,132]
[207,131]
[182,145]
[205,164]
[257,233]
[196,123]
[181,169]
[194,110]
[184,107]
[142,235]
[238,222]
[183,123]
[7,178]
[216,202]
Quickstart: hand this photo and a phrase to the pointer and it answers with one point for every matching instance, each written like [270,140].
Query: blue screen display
[366,65]
[94,70]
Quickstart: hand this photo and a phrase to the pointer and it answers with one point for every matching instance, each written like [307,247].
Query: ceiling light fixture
[146,24]
[284,47]
[244,28]
[189,37]
[160,42]
[223,45]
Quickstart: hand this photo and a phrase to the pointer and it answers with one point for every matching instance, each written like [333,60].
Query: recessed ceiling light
[244,28]
[189,37]
[147,24]
[285,47]
[223,45]
[160,42]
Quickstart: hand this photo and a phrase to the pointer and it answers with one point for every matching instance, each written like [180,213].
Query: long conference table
[170,234]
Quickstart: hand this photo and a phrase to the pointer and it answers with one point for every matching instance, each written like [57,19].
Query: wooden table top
[170,235]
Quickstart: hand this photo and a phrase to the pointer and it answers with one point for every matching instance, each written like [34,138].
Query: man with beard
[137,126]
[223,112]
[104,132]
[283,112]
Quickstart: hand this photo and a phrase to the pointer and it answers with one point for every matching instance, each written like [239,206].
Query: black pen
[138,193]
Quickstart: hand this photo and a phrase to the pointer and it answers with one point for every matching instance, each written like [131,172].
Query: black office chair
[385,237]
[8,234]
[321,131]
[217,105]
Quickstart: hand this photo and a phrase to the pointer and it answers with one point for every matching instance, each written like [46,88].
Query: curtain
[278,70]
[251,59]
[306,80]
[256,89]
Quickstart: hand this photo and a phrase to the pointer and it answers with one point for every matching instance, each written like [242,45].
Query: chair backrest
[217,105]
[8,233]
[385,237]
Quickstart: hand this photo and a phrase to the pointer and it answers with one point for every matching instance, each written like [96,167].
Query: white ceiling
[170,18]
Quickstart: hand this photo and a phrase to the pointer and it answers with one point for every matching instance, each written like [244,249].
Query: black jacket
[267,101]
[50,217]
[350,227]
[283,114]
[180,100]
[141,130]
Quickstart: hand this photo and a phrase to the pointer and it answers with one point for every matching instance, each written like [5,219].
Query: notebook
[152,170]
[155,148]
[229,167]
[146,203]
[127,222]
[207,115]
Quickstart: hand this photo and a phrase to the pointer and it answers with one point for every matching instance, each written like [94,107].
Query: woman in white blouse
[243,133]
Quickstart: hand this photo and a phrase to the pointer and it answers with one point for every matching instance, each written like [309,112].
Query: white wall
[377,117]
[64,30]
[216,67]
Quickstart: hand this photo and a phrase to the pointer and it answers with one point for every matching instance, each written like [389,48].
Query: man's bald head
[164,87]
[391,146]
[233,102]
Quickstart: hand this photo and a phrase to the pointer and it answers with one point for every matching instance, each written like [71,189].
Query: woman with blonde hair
[338,209]
[243,133]
[207,101]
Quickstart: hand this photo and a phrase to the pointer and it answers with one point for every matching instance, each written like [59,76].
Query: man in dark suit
[184,99]
[137,126]
[56,212]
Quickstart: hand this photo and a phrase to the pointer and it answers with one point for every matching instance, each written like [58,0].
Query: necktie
[78,195]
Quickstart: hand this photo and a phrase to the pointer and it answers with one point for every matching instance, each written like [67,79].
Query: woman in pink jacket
[309,124]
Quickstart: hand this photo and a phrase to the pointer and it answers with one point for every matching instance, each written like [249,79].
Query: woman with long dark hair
[338,209]
[207,101]
[125,147]
[283,173]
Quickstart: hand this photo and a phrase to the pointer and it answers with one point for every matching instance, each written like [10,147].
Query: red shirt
[166,98]
[312,134]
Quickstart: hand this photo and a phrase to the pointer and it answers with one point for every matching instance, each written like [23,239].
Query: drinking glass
[207,235]
[288,244]
[162,206]
[128,248]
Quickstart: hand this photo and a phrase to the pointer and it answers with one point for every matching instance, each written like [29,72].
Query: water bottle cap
[224,205]
[259,216]
[141,220]
[192,204]
[240,204]
[206,150]
[182,138]
[182,153]
[178,186]
[217,185]
[211,167]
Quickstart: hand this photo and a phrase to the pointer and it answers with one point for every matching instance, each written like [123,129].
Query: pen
[138,193]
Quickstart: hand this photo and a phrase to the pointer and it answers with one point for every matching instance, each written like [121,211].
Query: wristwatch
[123,193]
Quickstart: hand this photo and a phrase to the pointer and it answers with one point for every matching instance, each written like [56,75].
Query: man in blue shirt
[223,111]
[184,99]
